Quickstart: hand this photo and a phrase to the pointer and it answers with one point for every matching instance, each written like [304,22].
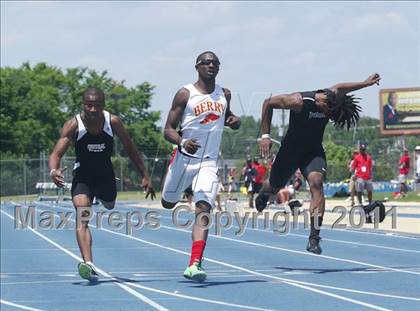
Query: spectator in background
[418,164]
[363,164]
[260,171]
[220,188]
[390,113]
[289,192]
[248,174]
[231,178]
[352,182]
[404,168]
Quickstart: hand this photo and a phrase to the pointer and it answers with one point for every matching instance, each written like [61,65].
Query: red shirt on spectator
[261,170]
[362,163]
[404,164]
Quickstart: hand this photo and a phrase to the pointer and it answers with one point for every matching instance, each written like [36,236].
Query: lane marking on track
[289,281]
[263,245]
[102,272]
[328,239]
[9,303]
[212,301]
[300,252]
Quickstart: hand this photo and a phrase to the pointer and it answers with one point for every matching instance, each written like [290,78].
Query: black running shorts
[289,159]
[101,187]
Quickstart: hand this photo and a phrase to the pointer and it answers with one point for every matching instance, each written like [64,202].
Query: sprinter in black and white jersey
[92,133]
[201,110]
[302,145]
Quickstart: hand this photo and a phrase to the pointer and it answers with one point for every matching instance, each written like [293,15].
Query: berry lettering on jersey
[208,106]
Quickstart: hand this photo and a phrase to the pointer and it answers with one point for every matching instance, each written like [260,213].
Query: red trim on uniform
[197,251]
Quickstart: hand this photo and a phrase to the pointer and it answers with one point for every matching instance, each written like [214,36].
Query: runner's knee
[202,206]
[316,184]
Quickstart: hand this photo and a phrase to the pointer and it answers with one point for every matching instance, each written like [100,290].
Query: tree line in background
[37,100]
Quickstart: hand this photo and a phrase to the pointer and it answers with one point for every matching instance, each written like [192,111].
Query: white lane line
[41,282]
[384,234]
[300,252]
[361,244]
[118,283]
[5,302]
[199,299]
[292,251]
[328,239]
[289,250]
[150,288]
[288,281]
[361,292]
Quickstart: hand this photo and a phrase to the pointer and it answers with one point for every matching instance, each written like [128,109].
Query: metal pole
[40,165]
[24,176]
[44,176]
[354,133]
[121,174]
[283,116]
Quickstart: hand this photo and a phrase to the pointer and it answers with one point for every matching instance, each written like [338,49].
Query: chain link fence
[20,176]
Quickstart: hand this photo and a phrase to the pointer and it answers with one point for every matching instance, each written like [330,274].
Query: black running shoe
[294,205]
[261,202]
[313,245]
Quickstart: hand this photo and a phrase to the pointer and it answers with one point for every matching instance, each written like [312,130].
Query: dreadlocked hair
[343,109]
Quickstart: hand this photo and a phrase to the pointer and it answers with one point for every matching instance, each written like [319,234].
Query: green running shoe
[195,272]
[87,272]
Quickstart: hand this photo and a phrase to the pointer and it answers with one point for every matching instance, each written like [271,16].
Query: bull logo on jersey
[210,118]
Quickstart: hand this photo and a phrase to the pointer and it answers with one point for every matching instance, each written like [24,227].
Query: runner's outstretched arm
[347,87]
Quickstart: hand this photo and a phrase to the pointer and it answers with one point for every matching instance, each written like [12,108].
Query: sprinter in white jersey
[202,110]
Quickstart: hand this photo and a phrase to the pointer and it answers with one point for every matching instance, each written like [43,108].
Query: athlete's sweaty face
[208,66]
[93,106]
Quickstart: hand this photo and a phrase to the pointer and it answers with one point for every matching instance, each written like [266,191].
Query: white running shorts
[186,171]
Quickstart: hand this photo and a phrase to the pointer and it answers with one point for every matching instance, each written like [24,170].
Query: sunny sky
[264,47]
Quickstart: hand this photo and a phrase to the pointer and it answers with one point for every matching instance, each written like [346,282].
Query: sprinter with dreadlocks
[302,145]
